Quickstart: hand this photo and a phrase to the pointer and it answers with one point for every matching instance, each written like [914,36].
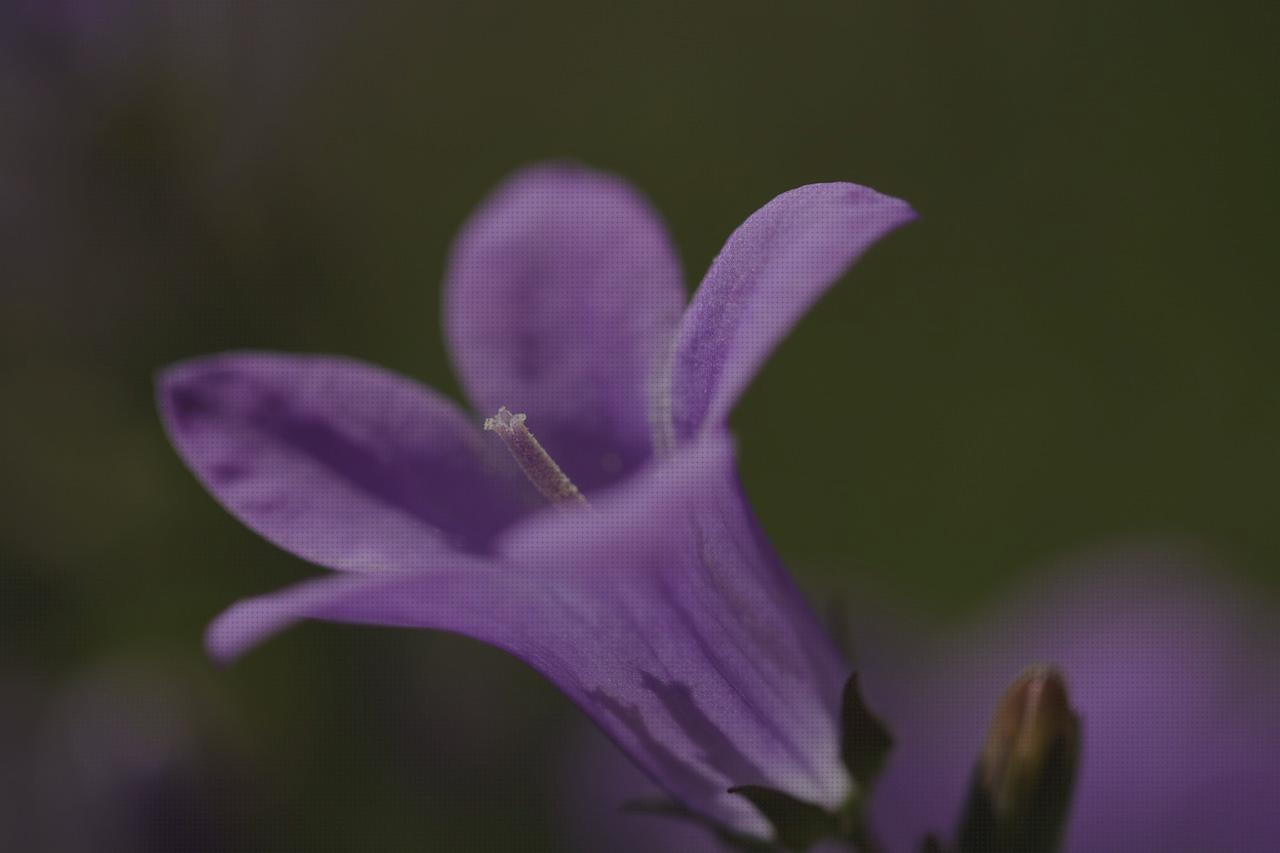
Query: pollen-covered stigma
[537,464]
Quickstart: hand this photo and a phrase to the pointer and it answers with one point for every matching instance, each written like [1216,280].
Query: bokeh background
[1076,344]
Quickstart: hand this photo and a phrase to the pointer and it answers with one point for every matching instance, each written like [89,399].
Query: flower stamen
[537,464]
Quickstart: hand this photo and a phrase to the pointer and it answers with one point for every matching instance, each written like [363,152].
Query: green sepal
[663,807]
[798,824]
[864,740]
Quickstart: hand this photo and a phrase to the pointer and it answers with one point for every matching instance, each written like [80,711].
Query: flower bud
[1022,787]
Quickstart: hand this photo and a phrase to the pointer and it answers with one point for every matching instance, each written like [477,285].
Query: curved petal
[1175,682]
[562,293]
[597,783]
[339,462]
[710,674]
[769,273]
[603,798]
[651,611]
[469,596]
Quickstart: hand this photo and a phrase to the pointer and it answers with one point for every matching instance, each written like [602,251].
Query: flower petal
[769,273]
[339,462]
[655,611]
[562,293]
[468,595]
[714,669]
[606,803]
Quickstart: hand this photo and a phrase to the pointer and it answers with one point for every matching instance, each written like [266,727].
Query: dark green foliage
[798,824]
[663,807]
[865,742]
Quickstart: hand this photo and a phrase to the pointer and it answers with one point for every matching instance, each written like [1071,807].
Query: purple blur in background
[133,755]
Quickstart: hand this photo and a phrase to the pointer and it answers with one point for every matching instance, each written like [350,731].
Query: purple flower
[659,609]
[1173,676]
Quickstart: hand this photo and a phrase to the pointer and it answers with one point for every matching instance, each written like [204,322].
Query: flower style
[658,608]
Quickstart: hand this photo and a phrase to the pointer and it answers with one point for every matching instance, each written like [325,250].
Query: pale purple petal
[1177,687]
[342,463]
[769,273]
[599,789]
[654,611]
[468,595]
[596,784]
[709,671]
[562,293]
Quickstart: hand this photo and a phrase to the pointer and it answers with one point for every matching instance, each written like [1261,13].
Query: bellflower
[645,590]
[1173,676]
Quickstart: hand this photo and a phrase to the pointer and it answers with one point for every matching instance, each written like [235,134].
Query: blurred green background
[1074,345]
